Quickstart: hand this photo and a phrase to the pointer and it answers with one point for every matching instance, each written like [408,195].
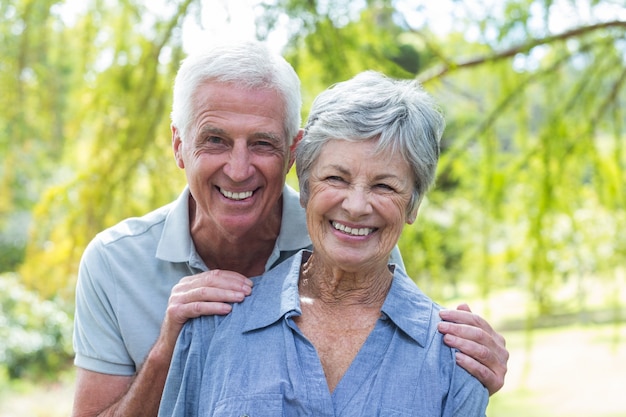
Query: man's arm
[105,395]
[482,350]
[95,391]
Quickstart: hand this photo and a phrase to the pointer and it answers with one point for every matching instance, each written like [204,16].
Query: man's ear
[177,147]
[292,148]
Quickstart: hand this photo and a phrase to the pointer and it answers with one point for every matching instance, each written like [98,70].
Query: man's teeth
[364,231]
[236,196]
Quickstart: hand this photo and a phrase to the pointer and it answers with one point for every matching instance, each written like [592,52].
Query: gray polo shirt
[127,273]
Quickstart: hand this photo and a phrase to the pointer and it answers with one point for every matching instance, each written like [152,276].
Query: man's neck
[248,258]
[245,253]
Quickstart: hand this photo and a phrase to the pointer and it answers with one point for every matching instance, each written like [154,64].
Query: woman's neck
[335,287]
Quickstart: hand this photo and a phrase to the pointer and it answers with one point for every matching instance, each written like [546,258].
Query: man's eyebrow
[272,137]
[208,129]
[212,130]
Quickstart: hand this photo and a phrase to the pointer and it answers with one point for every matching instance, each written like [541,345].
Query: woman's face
[357,204]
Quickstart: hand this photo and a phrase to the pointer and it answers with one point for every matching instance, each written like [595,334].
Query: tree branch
[443,69]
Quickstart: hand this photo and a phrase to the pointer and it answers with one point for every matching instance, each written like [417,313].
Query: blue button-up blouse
[255,361]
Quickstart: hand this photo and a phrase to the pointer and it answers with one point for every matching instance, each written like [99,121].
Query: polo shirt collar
[175,244]
[294,221]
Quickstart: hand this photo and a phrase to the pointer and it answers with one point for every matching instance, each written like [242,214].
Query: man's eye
[214,139]
[264,144]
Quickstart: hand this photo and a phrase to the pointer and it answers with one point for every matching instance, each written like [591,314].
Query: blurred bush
[13,238]
[35,334]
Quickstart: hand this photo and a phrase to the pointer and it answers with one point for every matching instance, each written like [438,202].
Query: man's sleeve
[97,341]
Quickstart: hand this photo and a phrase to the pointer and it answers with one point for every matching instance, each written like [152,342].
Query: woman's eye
[334,178]
[384,187]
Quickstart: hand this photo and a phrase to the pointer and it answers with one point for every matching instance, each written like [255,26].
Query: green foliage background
[530,191]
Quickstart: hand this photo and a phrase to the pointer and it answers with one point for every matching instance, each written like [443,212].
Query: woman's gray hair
[248,64]
[399,114]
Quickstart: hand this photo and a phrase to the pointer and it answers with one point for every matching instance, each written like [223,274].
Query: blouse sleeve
[467,396]
[181,395]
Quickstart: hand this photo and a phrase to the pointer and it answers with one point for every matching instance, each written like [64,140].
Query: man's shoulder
[135,226]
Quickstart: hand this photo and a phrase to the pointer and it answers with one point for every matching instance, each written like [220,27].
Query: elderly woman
[352,335]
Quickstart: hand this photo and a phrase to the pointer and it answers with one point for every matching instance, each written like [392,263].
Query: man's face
[235,156]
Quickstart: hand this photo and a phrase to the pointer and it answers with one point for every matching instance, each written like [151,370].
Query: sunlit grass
[45,399]
[577,371]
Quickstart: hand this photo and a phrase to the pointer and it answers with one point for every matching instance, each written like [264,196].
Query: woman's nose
[356,201]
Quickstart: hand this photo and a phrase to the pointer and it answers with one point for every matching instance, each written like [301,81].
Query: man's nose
[239,167]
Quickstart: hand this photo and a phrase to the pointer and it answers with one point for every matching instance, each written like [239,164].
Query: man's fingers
[464,307]
[213,294]
[207,293]
[218,278]
[466,317]
[485,375]
[473,345]
[482,350]
[487,348]
[212,286]
[206,308]
[216,283]
[226,280]
[480,361]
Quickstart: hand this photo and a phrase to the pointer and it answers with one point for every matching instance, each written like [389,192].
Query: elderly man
[235,125]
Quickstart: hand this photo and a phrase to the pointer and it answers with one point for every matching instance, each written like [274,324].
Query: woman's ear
[412,215]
